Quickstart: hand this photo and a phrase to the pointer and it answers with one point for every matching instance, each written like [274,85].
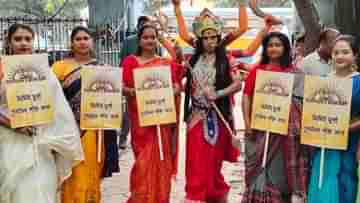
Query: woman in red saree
[210,82]
[150,180]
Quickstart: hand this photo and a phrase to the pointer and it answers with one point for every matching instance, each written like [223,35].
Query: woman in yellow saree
[84,184]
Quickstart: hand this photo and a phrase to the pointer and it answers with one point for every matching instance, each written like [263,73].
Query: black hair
[11,31]
[300,38]
[73,34]
[78,29]
[285,59]
[222,78]
[324,33]
[140,33]
[141,21]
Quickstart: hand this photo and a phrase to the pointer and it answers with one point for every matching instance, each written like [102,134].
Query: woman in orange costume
[150,180]
[211,80]
[231,36]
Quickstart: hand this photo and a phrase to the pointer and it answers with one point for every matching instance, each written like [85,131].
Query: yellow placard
[101,97]
[27,90]
[154,95]
[326,112]
[271,103]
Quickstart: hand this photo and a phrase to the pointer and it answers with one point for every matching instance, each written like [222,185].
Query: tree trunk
[102,12]
[310,19]
[347,13]
[326,11]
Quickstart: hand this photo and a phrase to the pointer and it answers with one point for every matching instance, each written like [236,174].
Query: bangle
[220,93]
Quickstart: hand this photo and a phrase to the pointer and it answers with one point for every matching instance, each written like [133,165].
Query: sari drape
[85,181]
[150,179]
[24,180]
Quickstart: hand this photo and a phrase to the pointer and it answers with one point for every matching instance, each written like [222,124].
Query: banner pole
[266,149]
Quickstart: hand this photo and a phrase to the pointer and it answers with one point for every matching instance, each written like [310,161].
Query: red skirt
[204,180]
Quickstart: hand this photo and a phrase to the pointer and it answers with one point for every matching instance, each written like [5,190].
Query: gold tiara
[207,20]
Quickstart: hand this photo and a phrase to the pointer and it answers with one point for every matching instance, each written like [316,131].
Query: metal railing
[108,41]
[53,36]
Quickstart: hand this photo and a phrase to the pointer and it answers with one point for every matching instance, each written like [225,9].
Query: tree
[347,17]
[311,22]
[105,11]
[326,11]
[152,6]
[42,8]
[348,13]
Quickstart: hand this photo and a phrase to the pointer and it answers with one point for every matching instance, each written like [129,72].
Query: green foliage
[42,8]
[151,6]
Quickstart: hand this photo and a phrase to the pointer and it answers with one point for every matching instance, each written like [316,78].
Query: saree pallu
[204,180]
[83,186]
[150,177]
[286,165]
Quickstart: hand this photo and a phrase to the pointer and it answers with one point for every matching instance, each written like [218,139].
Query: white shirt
[312,64]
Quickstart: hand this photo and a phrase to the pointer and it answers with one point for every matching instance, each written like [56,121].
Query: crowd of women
[68,162]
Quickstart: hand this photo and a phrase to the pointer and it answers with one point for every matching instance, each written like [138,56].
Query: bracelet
[220,93]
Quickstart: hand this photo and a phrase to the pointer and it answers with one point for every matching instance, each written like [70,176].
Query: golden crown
[207,20]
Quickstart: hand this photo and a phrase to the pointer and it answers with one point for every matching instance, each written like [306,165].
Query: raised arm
[161,23]
[243,24]
[184,34]
[255,44]
[168,45]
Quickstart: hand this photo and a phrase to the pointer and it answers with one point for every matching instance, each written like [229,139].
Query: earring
[332,64]
[10,50]
[354,67]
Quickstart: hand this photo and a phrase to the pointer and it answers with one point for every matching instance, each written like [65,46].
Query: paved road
[116,189]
